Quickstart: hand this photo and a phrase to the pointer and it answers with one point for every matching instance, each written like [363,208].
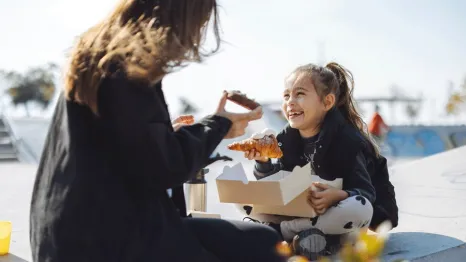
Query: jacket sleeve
[265,169]
[145,139]
[358,182]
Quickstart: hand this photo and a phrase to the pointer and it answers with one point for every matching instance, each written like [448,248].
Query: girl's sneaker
[313,244]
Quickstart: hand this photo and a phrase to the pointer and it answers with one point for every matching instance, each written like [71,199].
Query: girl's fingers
[246,154]
[251,154]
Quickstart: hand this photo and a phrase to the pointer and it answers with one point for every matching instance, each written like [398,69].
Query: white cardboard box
[283,193]
[200,214]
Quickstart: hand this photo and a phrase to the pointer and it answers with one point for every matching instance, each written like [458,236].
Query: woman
[111,153]
[325,129]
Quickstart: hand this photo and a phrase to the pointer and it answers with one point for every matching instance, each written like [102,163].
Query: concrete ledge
[455,254]
[431,194]
[418,246]
[11,258]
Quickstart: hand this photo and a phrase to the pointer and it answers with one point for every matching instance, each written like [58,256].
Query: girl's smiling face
[302,106]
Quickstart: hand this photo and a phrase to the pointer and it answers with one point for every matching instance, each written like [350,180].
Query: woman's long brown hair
[146,38]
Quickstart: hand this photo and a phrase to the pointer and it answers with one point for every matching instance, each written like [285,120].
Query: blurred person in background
[377,127]
[112,153]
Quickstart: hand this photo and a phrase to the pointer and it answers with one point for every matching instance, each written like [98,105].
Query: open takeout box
[283,193]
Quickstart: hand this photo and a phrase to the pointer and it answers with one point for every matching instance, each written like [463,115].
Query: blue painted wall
[401,141]
[420,141]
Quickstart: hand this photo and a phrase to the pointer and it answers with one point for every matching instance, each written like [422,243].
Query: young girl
[325,129]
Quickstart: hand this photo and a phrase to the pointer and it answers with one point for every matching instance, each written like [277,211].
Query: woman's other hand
[183,120]
[239,120]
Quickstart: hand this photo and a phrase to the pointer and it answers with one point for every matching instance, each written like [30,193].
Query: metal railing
[16,142]
[8,149]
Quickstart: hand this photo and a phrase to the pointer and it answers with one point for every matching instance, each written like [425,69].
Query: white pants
[349,215]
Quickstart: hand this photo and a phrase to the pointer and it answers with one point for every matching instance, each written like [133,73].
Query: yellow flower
[284,249]
[297,259]
[324,259]
[364,247]
[368,246]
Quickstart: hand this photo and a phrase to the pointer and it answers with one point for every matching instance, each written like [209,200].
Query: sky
[418,45]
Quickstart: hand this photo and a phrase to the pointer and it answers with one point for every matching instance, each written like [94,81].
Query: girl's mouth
[294,114]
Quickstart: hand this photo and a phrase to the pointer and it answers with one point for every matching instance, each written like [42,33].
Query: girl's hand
[254,155]
[325,197]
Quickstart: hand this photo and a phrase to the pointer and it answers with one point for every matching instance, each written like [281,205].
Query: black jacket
[100,191]
[341,152]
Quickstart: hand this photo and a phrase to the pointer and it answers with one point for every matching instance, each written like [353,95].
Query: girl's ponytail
[345,102]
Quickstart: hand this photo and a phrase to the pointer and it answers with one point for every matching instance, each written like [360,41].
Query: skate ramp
[431,193]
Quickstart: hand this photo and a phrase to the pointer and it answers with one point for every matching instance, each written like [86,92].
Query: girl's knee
[244,209]
[248,211]
[358,202]
[357,208]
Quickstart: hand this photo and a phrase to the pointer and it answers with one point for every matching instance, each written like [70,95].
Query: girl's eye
[286,96]
[300,93]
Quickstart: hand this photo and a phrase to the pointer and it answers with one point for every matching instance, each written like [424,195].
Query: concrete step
[6,147]
[8,152]
[8,156]
[5,140]
[4,132]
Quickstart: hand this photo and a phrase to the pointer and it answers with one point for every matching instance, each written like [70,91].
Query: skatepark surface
[431,194]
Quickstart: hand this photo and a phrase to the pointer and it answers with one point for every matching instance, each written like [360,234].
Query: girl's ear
[329,101]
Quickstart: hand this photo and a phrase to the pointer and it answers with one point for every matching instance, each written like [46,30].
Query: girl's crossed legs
[347,216]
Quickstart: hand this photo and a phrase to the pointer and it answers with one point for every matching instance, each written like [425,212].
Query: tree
[35,85]
[456,100]
[412,112]
[187,108]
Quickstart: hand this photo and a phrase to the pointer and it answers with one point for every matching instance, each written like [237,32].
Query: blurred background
[407,57]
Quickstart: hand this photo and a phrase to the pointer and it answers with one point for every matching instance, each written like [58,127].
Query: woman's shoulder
[119,79]
[118,84]
[117,90]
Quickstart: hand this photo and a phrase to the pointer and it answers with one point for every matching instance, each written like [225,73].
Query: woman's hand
[254,155]
[240,120]
[183,120]
[177,126]
[324,197]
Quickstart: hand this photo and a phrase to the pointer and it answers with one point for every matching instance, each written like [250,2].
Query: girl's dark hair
[335,79]
[147,39]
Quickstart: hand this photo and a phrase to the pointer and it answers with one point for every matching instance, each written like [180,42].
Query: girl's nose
[290,101]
